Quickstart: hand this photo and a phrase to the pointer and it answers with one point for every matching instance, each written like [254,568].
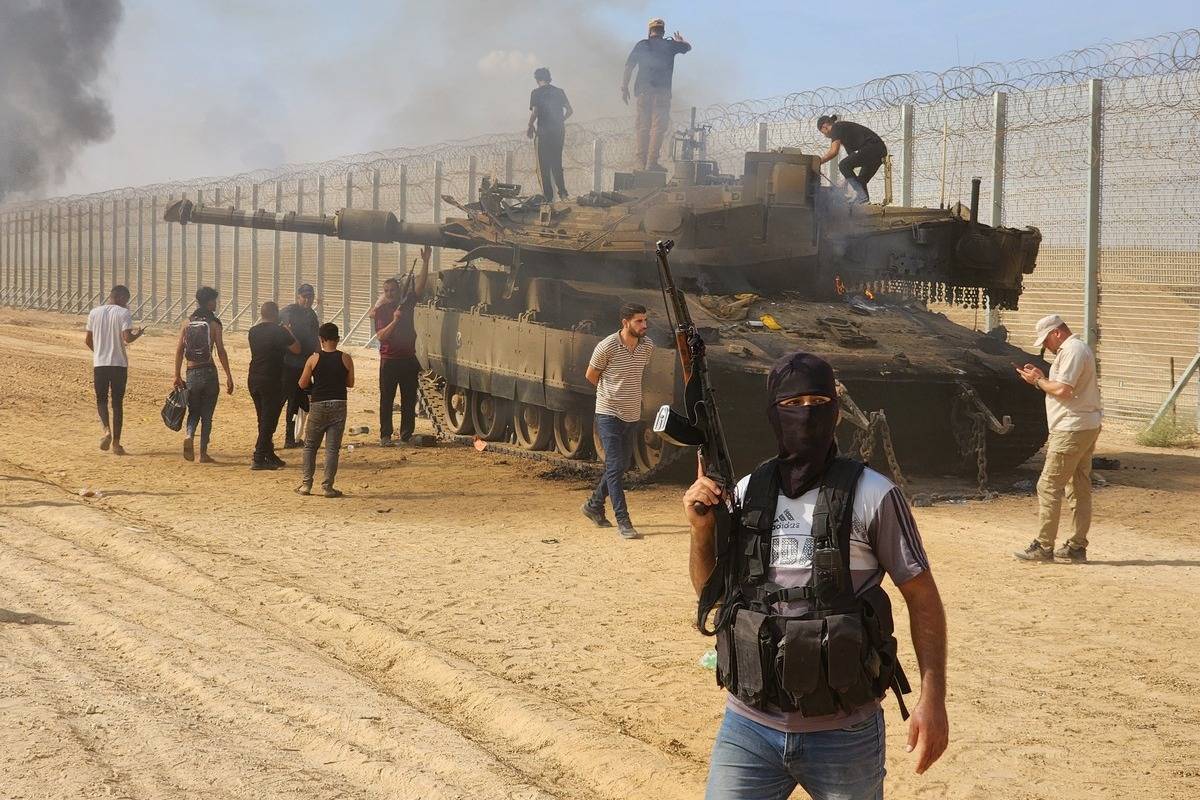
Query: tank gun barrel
[348,224]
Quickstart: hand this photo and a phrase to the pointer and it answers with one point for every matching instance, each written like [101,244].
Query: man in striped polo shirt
[616,371]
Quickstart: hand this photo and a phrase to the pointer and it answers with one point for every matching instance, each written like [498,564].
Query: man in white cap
[1074,413]
[654,58]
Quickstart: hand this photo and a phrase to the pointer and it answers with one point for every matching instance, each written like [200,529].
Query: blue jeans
[616,435]
[204,387]
[754,762]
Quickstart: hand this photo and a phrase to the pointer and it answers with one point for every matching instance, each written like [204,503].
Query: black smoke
[51,56]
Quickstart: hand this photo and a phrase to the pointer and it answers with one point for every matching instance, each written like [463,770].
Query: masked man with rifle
[789,566]
[805,645]
[399,368]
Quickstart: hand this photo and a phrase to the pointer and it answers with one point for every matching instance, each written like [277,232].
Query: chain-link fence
[1100,148]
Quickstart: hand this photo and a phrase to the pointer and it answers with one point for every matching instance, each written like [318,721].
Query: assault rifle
[699,426]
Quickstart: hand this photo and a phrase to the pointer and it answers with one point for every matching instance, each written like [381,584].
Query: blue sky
[214,87]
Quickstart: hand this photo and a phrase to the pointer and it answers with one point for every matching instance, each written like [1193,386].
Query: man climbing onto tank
[549,110]
[867,152]
[654,58]
[813,590]
[392,316]
[616,370]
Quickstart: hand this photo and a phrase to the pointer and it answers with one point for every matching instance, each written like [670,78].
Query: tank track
[429,394]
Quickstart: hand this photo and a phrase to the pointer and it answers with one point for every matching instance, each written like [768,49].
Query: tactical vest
[838,656]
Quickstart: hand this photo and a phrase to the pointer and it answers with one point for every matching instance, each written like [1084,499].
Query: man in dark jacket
[301,320]
[270,344]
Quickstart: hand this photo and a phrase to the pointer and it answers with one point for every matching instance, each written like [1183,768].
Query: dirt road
[453,628]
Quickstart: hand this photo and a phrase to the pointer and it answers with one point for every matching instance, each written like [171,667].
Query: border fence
[1100,148]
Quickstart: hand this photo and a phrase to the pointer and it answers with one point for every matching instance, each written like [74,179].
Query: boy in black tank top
[328,373]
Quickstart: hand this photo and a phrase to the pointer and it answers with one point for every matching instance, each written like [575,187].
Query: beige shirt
[1075,365]
[619,391]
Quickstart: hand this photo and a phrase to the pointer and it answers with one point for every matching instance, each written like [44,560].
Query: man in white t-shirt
[1074,413]
[767,752]
[615,369]
[109,330]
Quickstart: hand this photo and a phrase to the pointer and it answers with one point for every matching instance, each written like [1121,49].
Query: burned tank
[773,261]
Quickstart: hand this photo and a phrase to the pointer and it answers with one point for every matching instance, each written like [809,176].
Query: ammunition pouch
[817,663]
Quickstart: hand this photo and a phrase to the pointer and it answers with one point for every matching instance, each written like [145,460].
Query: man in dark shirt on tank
[549,108]
[867,151]
[398,365]
[654,58]
[301,320]
[270,342]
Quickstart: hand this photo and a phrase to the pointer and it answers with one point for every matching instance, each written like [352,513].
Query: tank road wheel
[533,425]
[648,448]
[457,401]
[490,416]
[572,433]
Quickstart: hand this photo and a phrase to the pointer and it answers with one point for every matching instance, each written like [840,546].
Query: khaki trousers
[1068,471]
[653,122]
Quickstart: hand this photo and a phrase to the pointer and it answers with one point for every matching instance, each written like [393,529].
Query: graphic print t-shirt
[883,539]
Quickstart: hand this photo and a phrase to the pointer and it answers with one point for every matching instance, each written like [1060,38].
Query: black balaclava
[804,433]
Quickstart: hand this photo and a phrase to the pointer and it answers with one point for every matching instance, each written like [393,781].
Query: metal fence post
[100,242]
[277,261]
[125,255]
[236,276]
[906,168]
[42,263]
[168,302]
[298,266]
[374,245]
[509,170]
[437,210]
[347,252]
[762,137]
[183,266]
[472,179]
[1091,272]
[154,257]
[113,267]
[4,258]
[254,258]
[321,250]
[999,129]
[141,229]
[403,212]
[199,244]
[217,195]
[597,165]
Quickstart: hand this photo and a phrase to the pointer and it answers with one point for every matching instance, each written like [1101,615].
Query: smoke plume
[51,55]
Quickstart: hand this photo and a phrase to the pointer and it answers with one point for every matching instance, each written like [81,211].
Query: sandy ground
[454,629]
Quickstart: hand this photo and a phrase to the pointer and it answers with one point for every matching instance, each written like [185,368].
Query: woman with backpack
[197,339]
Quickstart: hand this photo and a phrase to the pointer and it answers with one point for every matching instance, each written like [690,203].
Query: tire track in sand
[568,752]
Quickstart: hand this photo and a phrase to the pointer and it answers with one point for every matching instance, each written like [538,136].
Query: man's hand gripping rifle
[699,426]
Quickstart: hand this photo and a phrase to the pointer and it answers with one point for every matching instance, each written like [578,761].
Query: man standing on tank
[301,320]
[616,370]
[392,316]
[549,108]
[654,58]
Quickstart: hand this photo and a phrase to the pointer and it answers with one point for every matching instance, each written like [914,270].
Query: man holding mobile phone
[109,330]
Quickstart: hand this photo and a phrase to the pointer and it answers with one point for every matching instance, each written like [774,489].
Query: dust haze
[264,85]
[51,56]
